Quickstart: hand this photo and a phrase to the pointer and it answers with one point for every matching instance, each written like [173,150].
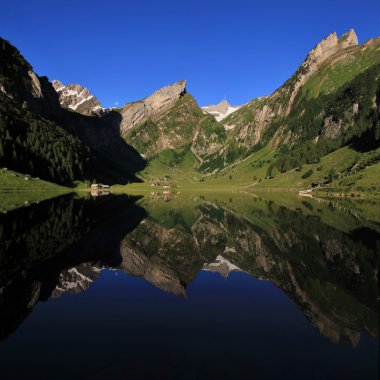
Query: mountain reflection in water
[323,255]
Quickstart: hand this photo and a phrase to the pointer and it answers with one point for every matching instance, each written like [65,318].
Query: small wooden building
[95,186]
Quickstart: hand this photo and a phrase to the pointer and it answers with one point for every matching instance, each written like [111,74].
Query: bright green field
[11,181]
[250,175]
[16,191]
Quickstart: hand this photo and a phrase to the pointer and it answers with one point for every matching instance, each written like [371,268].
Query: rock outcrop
[324,50]
[221,110]
[19,82]
[136,113]
[348,39]
[77,98]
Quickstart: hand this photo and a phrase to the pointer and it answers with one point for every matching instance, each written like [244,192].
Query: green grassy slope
[32,144]
[323,111]
[14,181]
[344,170]
[182,126]
[17,190]
[333,75]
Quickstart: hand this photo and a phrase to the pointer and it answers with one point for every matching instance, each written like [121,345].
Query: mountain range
[61,133]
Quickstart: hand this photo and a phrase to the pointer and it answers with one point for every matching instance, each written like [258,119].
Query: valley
[319,132]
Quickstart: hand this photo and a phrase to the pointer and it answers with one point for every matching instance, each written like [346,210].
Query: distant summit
[220,110]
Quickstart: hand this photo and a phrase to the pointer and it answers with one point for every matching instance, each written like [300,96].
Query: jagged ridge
[77,98]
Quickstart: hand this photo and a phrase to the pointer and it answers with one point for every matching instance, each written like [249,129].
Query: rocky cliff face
[19,82]
[329,47]
[221,110]
[136,113]
[178,125]
[77,98]
[324,50]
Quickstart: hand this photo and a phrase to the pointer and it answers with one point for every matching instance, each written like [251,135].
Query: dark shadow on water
[38,242]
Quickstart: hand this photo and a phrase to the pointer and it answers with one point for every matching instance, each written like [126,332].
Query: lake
[189,286]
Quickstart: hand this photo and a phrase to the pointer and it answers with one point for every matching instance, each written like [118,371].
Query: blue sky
[124,50]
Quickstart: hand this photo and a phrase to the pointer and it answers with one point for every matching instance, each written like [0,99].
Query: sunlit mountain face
[199,286]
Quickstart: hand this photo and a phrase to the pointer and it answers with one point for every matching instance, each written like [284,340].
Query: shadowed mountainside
[36,131]
[41,244]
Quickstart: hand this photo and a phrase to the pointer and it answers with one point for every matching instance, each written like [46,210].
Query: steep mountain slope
[71,146]
[252,120]
[221,110]
[39,147]
[21,84]
[77,98]
[171,119]
[320,104]
[136,113]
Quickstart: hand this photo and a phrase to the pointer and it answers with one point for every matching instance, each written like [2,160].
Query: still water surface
[193,287]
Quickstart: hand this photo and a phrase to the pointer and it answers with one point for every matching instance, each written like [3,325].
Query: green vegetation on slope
[43,139]
[333,75]
[184,126]
[32,144]
[332,121]
[11,180]
[345,170]
[334,107]
[17,190]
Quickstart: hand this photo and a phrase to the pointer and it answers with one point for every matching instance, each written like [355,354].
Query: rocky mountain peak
[348,39]
[222,106]
[77,98]
[166,96]
[330,45]
[325,49]
[220,110]
[161,100]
